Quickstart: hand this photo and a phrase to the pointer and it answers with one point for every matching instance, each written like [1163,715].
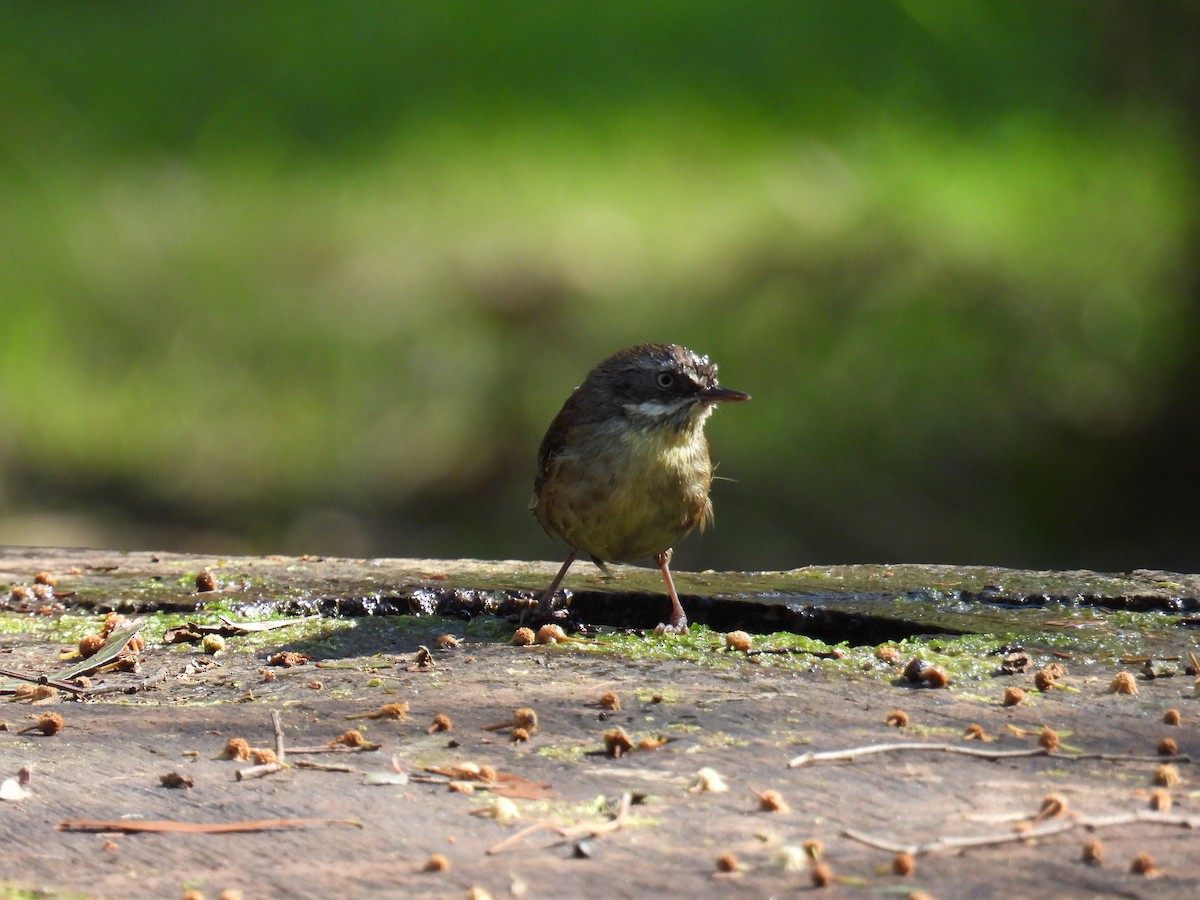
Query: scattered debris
[708,780]
[162,826]
[387,711]
[48,724]
[1123,683]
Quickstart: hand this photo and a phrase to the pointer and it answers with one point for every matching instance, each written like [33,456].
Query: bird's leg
[545,605]
[677,623]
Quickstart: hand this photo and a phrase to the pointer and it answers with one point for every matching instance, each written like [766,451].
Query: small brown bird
[624,470]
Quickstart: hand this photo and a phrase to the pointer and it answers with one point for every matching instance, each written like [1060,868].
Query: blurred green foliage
[307,277]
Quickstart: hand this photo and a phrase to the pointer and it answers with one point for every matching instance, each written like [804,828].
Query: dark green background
[310,277]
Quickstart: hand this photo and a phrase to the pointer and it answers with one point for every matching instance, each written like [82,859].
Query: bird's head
[657,386]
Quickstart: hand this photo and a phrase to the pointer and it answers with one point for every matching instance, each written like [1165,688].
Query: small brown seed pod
[1123,683]
[903,864]
[1167,775]
[617,742]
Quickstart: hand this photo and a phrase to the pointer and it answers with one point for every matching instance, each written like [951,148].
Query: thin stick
[277,724]
[805,759]
[163,826]
[572,833]
[118,688]
[959,842]
[259,771]
[323,767]
[340,748]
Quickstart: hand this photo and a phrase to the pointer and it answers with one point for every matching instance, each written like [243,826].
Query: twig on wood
[259,771]
[575,832]
[960,842]
[805,759]
[119,688]
[339,748]
[277,725]
[161,826]
[322,767]
[80,691]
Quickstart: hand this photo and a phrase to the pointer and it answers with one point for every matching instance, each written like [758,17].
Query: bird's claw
[670,628]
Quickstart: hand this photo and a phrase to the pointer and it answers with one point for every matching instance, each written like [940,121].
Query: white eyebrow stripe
[653,409]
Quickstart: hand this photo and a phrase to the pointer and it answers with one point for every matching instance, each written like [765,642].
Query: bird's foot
[671,627]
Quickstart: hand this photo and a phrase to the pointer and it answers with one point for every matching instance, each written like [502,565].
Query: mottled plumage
[624,469]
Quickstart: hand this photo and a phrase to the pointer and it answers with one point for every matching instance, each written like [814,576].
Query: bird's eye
[664,380]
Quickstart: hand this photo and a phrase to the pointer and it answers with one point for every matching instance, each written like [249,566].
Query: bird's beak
[720,394]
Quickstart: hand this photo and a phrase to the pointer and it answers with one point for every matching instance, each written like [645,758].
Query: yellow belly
[628,494]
